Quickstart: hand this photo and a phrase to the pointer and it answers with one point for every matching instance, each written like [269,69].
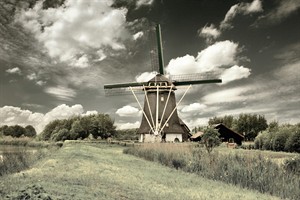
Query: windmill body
[160,121]
[160,109]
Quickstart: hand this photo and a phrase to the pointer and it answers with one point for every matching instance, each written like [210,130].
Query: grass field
[102,171]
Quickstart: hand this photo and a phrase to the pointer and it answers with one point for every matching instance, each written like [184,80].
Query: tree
[211,139]
[48,130]
[61,135]
[30,131]
[227,120]
[293,142]
[251,125]
[77,131]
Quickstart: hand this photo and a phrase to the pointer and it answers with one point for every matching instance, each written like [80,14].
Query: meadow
[275,173]
[84,170]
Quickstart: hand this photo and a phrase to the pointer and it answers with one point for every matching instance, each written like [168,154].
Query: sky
[56,56]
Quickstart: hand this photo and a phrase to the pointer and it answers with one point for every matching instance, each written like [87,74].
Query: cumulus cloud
[235,73]
[219,54]
[15,70]
[10,115]
[146,76]
[61,92]
[193,107]
[76,30]
[128,111]
[215,58]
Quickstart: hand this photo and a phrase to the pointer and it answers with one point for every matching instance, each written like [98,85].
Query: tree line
[18,131]
[284,137]
[79,127]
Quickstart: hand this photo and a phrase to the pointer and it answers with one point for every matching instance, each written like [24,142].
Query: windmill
[160,121]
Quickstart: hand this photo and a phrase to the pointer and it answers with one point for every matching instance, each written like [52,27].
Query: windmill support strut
[141,109]
[175,109]
[149,108]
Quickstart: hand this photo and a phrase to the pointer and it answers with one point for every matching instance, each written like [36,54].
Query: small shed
[196,137]
[226,134]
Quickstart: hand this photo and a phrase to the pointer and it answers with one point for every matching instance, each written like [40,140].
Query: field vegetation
[84,170]
[255,170]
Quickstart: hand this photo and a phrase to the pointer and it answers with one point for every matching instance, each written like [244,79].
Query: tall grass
[252,171]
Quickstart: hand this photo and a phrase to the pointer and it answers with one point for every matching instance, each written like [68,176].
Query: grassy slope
[90,171]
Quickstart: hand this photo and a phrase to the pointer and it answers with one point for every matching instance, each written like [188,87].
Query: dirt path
[99,171]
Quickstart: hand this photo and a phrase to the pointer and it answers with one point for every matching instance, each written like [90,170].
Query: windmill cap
[160,78]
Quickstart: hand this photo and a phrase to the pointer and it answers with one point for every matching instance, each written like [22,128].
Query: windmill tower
[160,121]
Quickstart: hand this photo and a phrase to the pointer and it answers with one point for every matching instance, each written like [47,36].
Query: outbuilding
[226,134]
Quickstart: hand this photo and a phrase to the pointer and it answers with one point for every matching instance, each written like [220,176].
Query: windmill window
[167,124]
[162,98]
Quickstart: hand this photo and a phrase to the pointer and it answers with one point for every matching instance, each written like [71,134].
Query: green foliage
[210,139]
[282,138]
[227,120]
[127,134]
[100,125]
[251,125]
[17,131]
[30,131]
[293,142]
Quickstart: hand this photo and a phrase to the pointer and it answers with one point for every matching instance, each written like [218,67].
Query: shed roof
[196,135]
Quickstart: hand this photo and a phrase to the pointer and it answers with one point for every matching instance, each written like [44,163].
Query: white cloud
[193,107]
[240,8]
[31,76]
[128,125]
[40,83]
[235,73]
[10,115]
[282,11]
[225,96]
[77,29]
[15,70]
[219,54]
[209,32]
[146,76]
[215,58]
[140,3]
[138,35]
[128,111]
[61,92]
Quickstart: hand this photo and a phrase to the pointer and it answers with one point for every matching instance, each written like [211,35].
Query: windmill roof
[160,78]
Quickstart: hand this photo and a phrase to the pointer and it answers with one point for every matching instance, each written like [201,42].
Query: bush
[283,138]
[293,142]
[293,165]
[279,140]
[210,139]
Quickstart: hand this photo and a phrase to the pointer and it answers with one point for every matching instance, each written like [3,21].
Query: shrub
[210,139]
[293,142]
